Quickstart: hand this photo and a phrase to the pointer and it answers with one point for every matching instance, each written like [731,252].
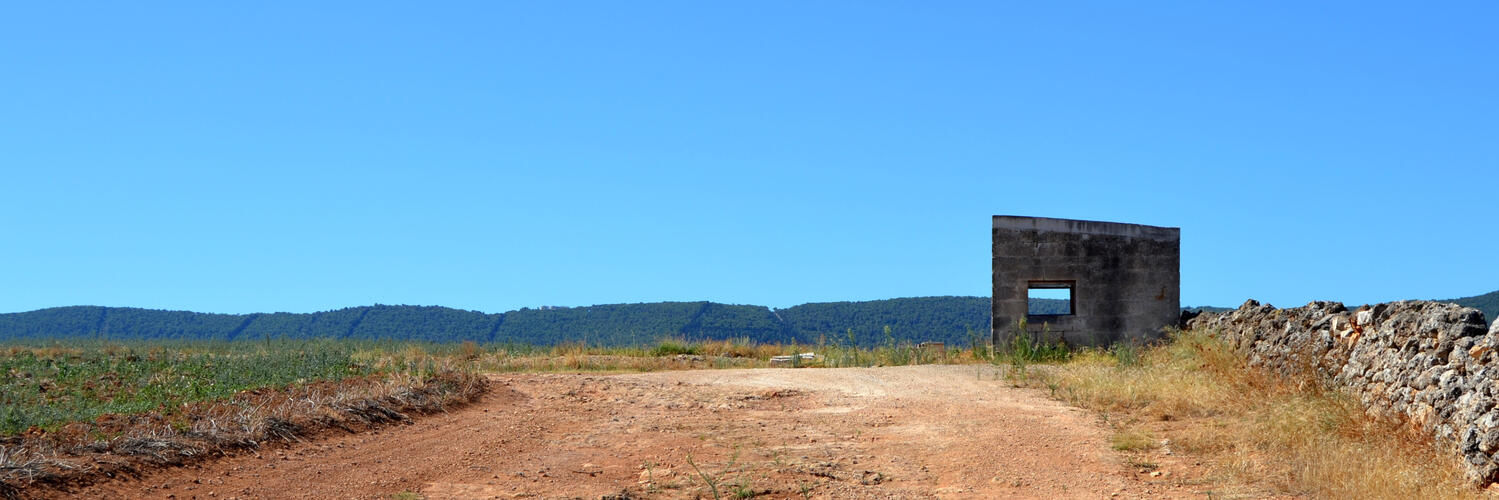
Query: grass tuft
[1133,439]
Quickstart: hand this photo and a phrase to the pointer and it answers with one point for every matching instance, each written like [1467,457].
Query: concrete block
[1125,277]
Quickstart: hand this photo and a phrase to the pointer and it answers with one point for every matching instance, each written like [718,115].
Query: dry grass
[1290,436]
[677,354]
[1134,439]
[23,464]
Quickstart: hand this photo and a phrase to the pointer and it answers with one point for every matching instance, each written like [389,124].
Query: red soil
[899,432]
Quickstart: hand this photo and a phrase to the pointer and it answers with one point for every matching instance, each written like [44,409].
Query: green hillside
[946,319]
[938,319]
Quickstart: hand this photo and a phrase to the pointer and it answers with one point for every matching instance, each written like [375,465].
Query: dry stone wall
[1433,366]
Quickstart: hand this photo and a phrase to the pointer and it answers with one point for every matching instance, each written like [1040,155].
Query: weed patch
[672,348]
[1133,439]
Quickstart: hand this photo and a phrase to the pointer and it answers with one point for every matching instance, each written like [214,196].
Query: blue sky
[304,156]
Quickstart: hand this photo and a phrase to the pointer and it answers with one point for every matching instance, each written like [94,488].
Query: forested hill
[918,319]
[942,319]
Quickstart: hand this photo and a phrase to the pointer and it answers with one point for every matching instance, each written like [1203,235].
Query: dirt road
[899,432]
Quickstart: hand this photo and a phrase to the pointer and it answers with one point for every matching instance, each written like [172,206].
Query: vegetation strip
[73,415]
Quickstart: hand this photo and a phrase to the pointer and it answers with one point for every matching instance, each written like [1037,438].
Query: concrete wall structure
[1125,278]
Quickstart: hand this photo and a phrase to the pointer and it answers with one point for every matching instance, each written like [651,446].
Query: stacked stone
[1431,365]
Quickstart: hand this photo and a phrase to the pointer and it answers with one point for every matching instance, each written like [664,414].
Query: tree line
[954,320]
[941,319]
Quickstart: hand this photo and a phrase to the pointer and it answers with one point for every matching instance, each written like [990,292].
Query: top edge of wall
[1073,226]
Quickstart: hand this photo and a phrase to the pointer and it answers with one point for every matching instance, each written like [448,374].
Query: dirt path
[899,432]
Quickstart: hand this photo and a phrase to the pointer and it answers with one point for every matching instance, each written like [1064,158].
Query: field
[344,420]
[137,405]
[71,413]
[48,385]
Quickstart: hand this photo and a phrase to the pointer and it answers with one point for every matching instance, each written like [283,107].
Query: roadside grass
[1288,435]
[680,354]
[1023,348]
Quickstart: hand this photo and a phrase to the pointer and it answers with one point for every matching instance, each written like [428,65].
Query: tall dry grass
[1288,435]
[679,354]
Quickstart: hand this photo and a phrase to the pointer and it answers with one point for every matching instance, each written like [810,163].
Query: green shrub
[674,347]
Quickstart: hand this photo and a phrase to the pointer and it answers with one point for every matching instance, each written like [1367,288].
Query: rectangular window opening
[1049,298]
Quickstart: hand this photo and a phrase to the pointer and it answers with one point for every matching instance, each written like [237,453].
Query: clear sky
[303,156]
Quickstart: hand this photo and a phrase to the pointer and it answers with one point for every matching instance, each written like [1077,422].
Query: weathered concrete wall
[1126,277]
[1431,365]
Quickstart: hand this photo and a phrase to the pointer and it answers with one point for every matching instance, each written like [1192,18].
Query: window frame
[1069,285]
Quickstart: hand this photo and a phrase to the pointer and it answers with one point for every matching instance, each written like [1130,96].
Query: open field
[46,385]
[688,420]
[75,411]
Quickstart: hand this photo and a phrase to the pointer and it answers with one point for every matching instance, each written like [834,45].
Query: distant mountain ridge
[942,319]
[949,319]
